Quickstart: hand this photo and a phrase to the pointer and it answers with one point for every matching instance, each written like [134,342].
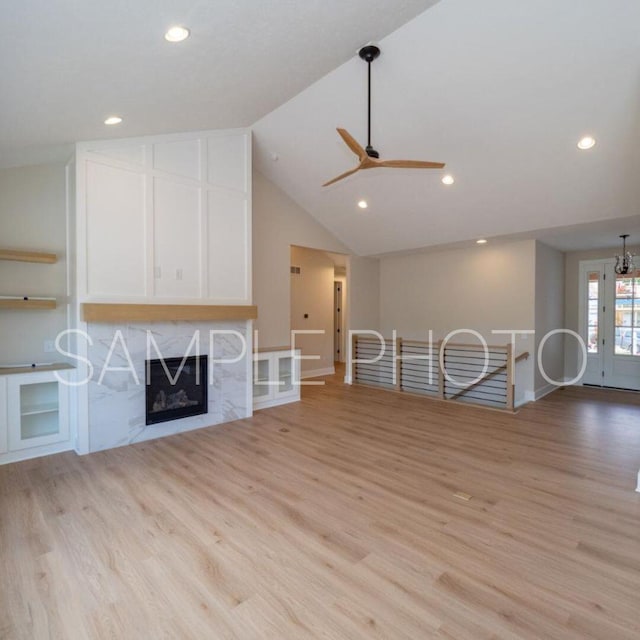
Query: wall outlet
[49,346]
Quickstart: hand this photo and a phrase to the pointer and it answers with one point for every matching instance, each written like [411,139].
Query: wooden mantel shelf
[27,256]
[107,312]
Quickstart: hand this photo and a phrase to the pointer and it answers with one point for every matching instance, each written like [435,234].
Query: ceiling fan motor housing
[371,152]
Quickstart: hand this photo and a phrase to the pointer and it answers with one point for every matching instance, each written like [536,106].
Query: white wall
[572,301]
[32,217]
[312,296]
[482,288]
[549,315]
[363,311]
[278,224]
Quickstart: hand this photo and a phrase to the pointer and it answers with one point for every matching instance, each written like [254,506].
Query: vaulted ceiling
[65,66]
[500,90]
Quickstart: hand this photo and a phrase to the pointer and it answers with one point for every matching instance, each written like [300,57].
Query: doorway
[318,305]
[610,324]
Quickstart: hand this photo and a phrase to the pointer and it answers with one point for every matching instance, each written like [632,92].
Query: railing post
[439,348]
[397,363]
[354,356]
[510,377]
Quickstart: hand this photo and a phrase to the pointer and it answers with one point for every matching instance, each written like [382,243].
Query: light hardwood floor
[335,518]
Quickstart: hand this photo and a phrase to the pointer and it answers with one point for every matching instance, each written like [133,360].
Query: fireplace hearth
[175,388]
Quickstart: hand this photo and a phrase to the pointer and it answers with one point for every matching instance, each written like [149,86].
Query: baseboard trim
[545,391]
[317,373]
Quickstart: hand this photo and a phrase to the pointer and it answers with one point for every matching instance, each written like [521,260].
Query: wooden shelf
[106,312]
[30,303]
[269,349]
[28,256]
[55,366]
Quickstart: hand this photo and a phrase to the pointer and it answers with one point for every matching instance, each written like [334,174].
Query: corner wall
[550,299]
[279,223]
[312,309]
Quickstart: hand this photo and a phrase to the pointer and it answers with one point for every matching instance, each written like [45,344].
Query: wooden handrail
[523,356]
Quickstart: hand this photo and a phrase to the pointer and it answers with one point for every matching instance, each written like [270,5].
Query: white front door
[610,325]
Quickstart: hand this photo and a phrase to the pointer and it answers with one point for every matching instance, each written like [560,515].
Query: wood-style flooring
[336,518]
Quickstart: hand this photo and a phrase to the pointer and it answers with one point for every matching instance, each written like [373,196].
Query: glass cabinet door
[285,374]
[261,386]
[38,410]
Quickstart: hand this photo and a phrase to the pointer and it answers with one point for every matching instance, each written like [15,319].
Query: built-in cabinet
[276,377]
[165,218]
[34,412]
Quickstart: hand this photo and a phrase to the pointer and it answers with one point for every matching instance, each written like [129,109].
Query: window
[592,302]
[627,314]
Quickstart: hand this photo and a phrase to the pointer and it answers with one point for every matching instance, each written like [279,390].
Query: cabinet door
[38,410]
[285,374]
[115,231]
[177,222]
[263,388]
[3,415]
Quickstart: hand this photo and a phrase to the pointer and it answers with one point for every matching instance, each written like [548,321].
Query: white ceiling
[500,90]
[65,66]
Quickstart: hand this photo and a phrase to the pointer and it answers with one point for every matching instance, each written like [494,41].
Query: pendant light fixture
[624,262]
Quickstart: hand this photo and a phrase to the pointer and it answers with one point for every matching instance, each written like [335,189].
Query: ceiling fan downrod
[369,53]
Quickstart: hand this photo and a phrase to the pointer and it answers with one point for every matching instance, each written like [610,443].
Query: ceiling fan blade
[352,143]
[341,176]
[410,164]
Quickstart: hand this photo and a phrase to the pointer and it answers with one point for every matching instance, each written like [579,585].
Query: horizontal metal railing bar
[420,378]
[426,388]
[476,365]
[475,355]
[419,366]
[435,343]
[423,392]
[382,383]
[470,373]
[496,405]
[473,394]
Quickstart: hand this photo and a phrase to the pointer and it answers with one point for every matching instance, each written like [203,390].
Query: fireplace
[175,388]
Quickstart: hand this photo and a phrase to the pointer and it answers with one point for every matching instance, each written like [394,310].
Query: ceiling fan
[369,158]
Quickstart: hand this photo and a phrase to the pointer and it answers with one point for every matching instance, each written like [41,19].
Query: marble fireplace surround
[116,398]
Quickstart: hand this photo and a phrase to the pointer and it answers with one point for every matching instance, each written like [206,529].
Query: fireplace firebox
[175,388]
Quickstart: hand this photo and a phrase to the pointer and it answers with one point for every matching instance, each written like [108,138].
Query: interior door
[337,321]
[610,325]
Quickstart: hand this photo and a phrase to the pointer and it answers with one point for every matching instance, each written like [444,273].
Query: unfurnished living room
[320,320]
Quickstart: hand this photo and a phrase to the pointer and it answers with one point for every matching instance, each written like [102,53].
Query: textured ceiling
[66,65]
[500,90]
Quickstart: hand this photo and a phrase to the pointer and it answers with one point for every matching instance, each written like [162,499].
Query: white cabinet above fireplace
[165,218]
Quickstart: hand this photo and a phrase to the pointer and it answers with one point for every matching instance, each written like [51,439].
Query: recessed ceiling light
[363,204]
[113,120]
[481,241]
[448,179]
[586,143]
[177,34]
